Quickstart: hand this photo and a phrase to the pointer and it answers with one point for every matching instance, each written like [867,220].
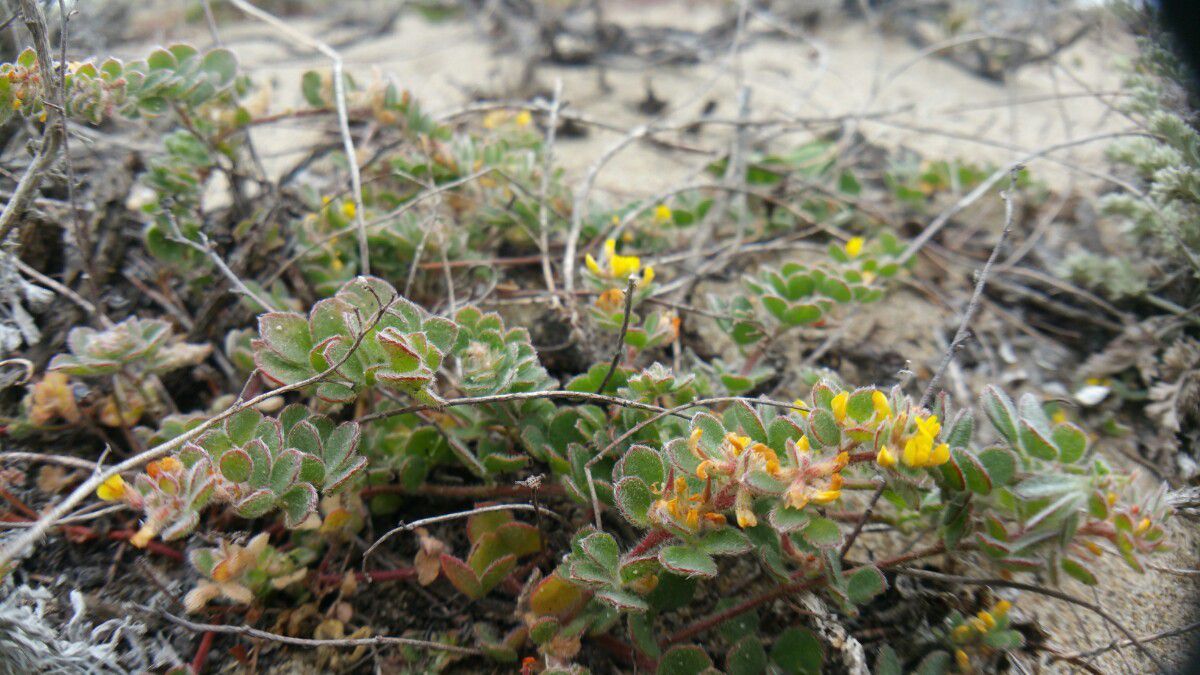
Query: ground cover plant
[422,401]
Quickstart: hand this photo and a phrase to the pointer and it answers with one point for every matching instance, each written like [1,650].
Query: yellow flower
[662,214]
[694,442]
[618,266]
[880,401]
[16,104]
[744,504]
[940,455]
[854,247]
[838,404]
[1058,417]
[929,426]
[112,489]
[624,265]
[987,619]
[826,496]
[739,443]
[524,119]
[348,209]
[961,633]
[1143,526]
[702,470]
[964,661]
[1001,608]
[885,458]
[143,536]
[803,444]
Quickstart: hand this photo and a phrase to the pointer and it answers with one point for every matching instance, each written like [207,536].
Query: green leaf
[1078,571]
[887,663]
[1035,442]
[642,462]
[746,657]
[634,498]
[624,601]
[1000,464]
[222,64]
[823,533]
[864,584]
[672,592]
[684,660]
[786,519]
[725,541]
[750,422]
[825,430]
[688,560]
[310,85]
[255,504]
[1004,639]
[1071,442]
[860,406]
[1000,411]
[961,431]
[236,465]
[798,652]
[936,663]
[602,548]
[1045,485]
[836,289]
[974,472]
[297,504]
[461,577]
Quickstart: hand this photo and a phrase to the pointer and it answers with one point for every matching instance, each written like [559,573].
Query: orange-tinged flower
[611,300]
[143,536]
[112,489]
[163,466]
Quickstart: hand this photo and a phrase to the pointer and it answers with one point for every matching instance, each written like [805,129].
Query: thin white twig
[250,632]
[339,94]
[407,527]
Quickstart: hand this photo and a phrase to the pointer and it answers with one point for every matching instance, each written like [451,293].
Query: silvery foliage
[31,642]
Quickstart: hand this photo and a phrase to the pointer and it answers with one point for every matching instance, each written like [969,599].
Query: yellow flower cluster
[683,509]
[812,482]
[734,458]
[618,266]
[974,628]
[920,447]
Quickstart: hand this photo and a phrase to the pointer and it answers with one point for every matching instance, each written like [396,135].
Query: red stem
[716,619]
[373,575]
[653,538]
[206,642]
